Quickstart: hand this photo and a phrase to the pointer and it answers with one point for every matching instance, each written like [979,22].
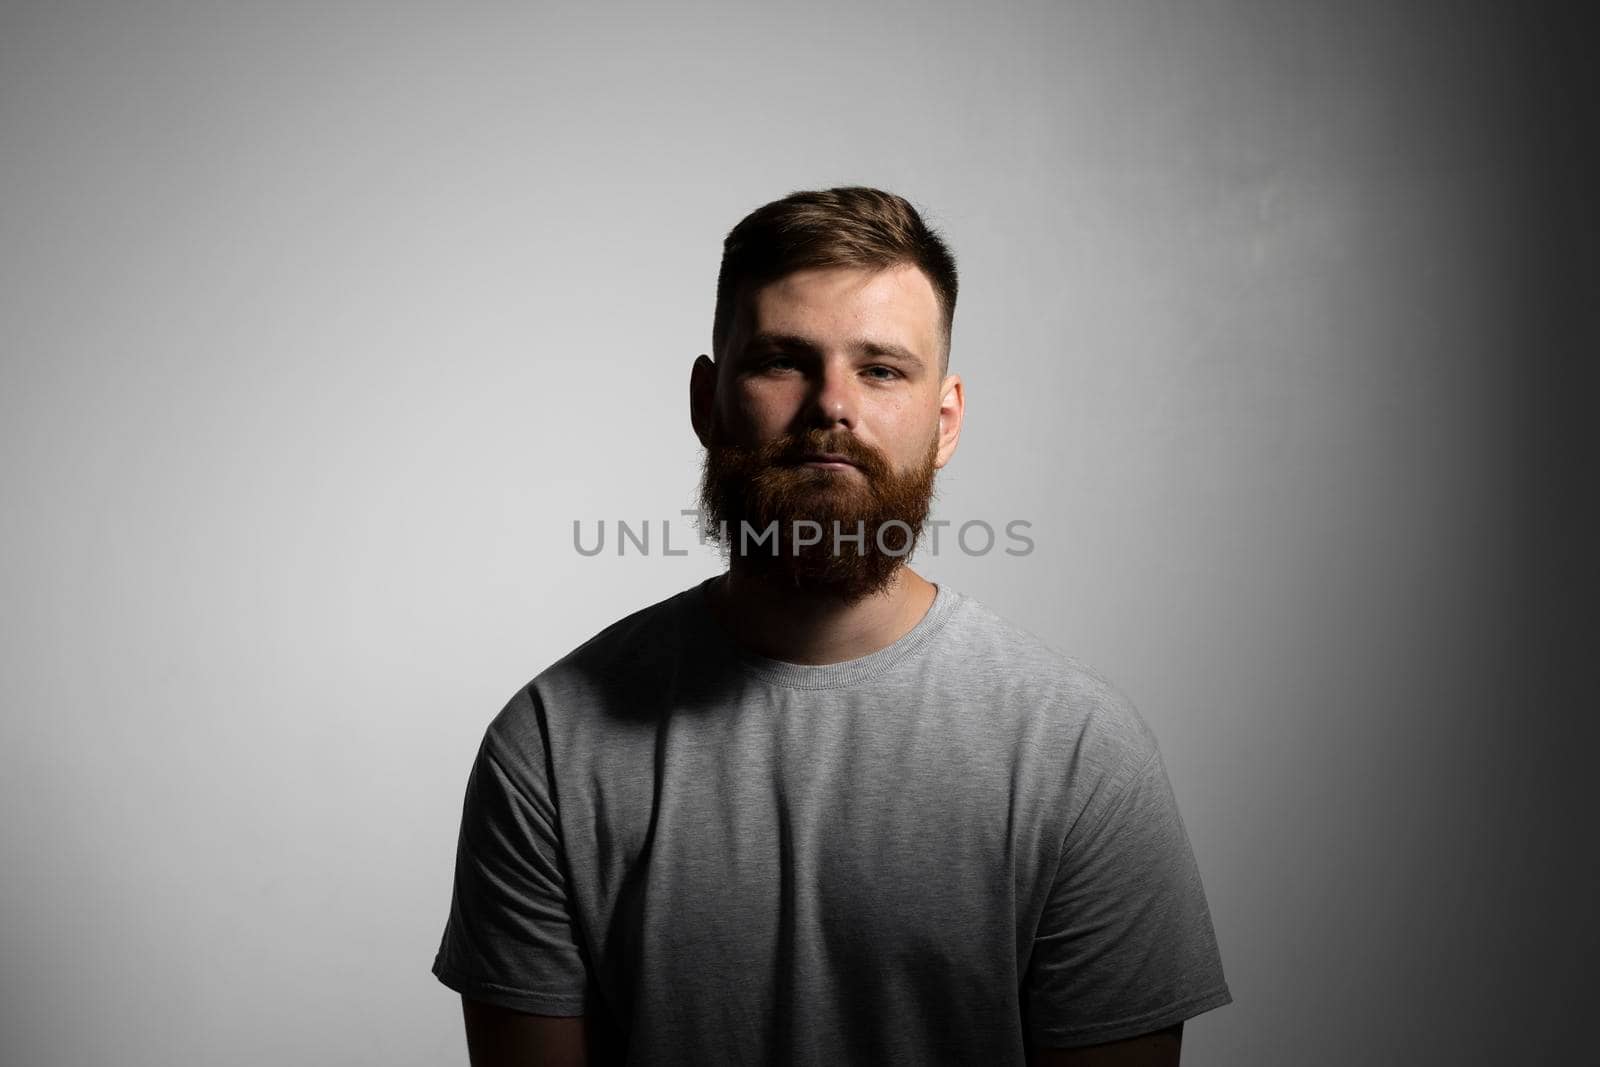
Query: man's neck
[816,627]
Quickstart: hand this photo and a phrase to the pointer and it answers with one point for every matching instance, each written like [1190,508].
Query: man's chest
[805,844]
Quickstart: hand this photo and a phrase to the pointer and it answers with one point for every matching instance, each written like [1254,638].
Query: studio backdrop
[336,334]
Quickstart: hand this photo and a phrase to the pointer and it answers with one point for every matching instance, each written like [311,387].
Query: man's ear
[952,409]
[702,397]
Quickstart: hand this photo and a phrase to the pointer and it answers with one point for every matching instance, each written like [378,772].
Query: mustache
[795,448]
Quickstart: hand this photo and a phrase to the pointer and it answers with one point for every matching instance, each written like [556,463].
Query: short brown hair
[851,226]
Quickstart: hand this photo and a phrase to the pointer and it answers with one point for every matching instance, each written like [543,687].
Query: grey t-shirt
[935,853]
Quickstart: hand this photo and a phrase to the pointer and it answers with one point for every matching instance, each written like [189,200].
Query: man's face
[834,362]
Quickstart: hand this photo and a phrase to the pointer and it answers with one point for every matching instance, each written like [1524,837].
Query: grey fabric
[932,854]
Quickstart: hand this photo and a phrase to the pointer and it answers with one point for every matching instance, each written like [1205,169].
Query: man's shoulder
[1065,698]
[622,661]
[631,642]
[639,646]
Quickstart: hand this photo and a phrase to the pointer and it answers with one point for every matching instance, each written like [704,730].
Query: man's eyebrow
[794,343]
[889,350]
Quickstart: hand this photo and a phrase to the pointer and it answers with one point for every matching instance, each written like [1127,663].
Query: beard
[841,531]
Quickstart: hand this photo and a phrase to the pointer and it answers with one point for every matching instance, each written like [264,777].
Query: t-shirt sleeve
[1125,944]
[510,939]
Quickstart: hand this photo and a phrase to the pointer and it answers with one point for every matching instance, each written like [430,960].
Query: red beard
[745,491]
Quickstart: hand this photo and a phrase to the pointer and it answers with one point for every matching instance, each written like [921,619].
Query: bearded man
[818,809]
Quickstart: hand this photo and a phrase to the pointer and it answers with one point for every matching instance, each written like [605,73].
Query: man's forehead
[891,306]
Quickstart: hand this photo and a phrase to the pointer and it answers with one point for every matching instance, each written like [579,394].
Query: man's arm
[1160,1049]
[499,1037]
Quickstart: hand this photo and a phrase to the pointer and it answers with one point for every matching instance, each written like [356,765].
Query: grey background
[323,322]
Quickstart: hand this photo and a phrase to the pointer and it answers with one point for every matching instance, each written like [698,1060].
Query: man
[817,809]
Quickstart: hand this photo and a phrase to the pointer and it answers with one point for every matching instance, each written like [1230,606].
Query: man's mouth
[825,459]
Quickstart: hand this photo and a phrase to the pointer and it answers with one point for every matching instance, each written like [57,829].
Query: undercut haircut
[851,226]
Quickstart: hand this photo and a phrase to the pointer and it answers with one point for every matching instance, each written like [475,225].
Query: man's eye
[778,363]
[882,373]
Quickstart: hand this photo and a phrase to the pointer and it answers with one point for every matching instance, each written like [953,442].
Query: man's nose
[833,400]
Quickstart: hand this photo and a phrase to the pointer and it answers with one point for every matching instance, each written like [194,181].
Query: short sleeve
[1125,945]
[510,939]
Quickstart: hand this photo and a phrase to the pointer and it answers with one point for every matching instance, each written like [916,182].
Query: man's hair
[851,226]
